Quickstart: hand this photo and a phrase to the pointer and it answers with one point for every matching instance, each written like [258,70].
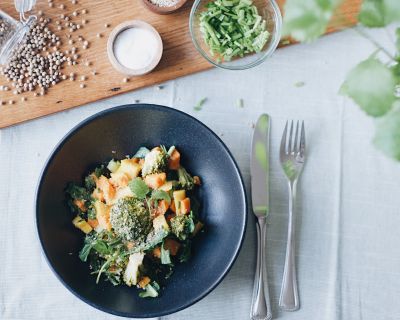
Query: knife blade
[261,304]
[259,166]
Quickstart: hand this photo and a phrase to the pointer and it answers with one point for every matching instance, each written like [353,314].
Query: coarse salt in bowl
[134,48]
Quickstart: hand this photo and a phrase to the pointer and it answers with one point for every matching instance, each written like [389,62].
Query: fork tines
[290,145]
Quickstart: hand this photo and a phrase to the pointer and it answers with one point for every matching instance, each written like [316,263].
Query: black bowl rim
[57,148]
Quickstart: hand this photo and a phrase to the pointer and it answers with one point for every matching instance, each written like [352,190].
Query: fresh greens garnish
[200,104]
[160,195]
[139,188]
[233,28]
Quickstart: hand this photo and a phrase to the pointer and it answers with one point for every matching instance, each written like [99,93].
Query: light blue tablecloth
[349,201]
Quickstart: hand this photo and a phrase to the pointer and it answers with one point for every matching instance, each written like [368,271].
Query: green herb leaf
[139,188]
[387,136]
[379,13]
[306,21]
[200,104]
[362,85]
[160,195]
[141,153]
[165,255]
[85,251]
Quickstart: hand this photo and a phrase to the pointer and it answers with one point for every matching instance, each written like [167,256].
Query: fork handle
[289,298]
[260,305]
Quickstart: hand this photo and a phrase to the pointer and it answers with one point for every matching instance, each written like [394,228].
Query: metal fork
[292,158]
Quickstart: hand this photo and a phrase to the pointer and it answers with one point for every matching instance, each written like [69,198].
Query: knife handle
[261,306]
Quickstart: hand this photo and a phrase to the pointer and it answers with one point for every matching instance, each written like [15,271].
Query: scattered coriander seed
[15,92]
[99,35]
[76,56]
[84,11]
[59,28]
[84,47]
[83,78]
[62,6]
[23,99]
[84,21]
[107,25]
[78,26]
[74,2]
[87,63]
[70,41]
[10,101]
[66,18]
[2,102]
[137,101]
[125,80]
[75,13]
[94,72]
[85,43]
[35,94]
[62,16]
[160,87]
[51,4]
[64,77]
[82,85]
[40,13]
[71,30]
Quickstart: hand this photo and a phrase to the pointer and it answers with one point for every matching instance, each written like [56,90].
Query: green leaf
[200,104]
[307,20]
[165,256]
[371,85]
[379,13]
[387,136]
[160,195]
[85,251]
[139,188]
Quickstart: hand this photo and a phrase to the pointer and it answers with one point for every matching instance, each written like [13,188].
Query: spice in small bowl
[134,48]
[164,6]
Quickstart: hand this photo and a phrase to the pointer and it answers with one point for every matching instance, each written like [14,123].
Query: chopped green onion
[233,28]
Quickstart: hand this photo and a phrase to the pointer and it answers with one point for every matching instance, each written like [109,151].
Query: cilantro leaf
[160,195]
[307,20]
[374,96]
[200,104]
[139,188]
[379,13]
[387,136]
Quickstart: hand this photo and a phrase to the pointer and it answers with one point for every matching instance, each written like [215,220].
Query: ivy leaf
[371,85]
[139,188]
[306,20]
[379,13]
[387,136]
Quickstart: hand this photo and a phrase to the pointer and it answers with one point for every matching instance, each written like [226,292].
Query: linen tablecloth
[348,223]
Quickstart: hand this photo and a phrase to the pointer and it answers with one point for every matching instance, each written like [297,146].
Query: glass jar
[12,32]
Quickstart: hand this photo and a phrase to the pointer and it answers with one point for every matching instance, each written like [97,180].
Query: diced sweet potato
[103,215]
[162,207]
[144,282]
[172,245]
[80,204]
[156,180]
[185,206]
[107,188]
[93,223]
[174,161]
[130,167]
[119,179]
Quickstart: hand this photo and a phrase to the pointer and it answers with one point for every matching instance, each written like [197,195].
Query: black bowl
[115,133]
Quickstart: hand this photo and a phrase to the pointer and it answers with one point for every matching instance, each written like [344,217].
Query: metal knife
[259,168]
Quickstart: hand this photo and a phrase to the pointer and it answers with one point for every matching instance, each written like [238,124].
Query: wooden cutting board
[180,56]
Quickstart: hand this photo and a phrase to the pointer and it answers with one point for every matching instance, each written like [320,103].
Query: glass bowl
[268,9]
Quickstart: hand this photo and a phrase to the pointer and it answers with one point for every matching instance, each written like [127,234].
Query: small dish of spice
[134,48]
[164,6]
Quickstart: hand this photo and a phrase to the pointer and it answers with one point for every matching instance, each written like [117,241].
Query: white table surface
[348,226]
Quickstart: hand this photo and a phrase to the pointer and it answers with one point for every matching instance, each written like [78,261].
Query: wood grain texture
[180,56]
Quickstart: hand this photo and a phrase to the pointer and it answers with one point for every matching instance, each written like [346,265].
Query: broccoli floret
[155,162]
[182,226]
[130,219]
[185,179]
